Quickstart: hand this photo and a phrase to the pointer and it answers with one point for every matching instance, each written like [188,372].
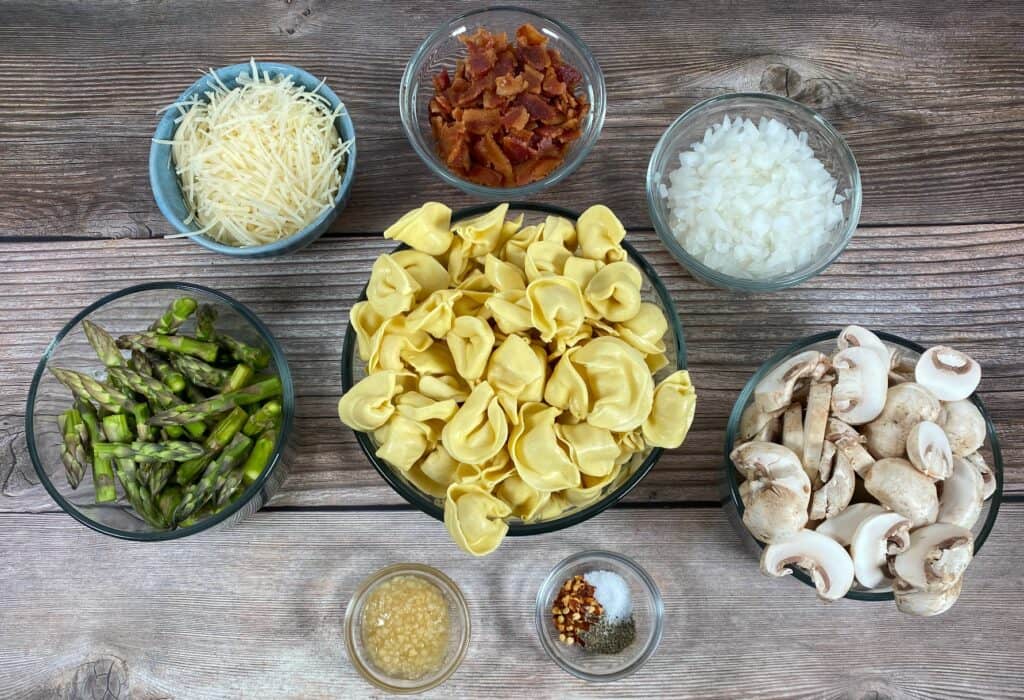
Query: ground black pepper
[607,638]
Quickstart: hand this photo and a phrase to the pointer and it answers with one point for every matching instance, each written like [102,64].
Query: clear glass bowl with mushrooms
[865,465]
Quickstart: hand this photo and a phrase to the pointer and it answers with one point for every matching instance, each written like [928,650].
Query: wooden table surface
[930,97]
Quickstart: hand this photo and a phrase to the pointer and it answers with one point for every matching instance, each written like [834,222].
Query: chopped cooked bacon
[508,113]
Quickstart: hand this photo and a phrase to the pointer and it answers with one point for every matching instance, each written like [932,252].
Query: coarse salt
[612,592]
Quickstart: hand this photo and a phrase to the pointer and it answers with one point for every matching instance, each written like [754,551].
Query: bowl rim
[551,581]
[288,403]
[518,528]
[350,625]
[743,284]
[732,429]
[160,159]
[587,140]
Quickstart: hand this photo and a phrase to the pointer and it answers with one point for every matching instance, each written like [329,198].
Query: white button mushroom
[964,426]
[755,424]
[775,391]
[949,374]
[988,477]
[841,527]
[860,337]
[776,492]
[937,557]
[825,561]
[906,405]
[925,603]
[860,391]
[815,421]
[900,487]
[849,442]
[962,495]
[793,428]
[835,495]
[876,538]
[928,450]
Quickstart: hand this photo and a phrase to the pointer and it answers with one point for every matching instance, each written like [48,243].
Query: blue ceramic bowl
[167,190]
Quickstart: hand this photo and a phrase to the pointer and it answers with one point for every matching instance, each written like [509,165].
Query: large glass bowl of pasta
[514,370]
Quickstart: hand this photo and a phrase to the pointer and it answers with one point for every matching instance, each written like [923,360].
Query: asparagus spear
[216,441]
[168,501]
[170,343]
[143,430]
[203,490]
[169,451]
[172,378]
[254,393]
[257,358]
[85,387]
[201,514]
[74,449]
[227,486]
[102,471]
[265,418]
[116,428]
[155,391]
[103,343]
[199,372]
[176,314]
[205,318]
[140,363]
[240,376]
[159,475]
[260,456]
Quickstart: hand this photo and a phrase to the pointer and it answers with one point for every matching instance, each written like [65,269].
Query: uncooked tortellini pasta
[510,368]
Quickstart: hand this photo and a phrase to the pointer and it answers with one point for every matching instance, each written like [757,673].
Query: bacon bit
[507,114]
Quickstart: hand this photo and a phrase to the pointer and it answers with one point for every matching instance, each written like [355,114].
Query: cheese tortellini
[510,368]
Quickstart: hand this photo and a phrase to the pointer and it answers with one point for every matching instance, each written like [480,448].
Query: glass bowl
[826,343]
[167,188]
[130,310]
[459,622]
[828,145]
[353,369]
[648,613]
[442,48]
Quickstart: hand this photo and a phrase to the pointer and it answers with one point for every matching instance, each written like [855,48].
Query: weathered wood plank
[256,611]
[967,291]
[930,97]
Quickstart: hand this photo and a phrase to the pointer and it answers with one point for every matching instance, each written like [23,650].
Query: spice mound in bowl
[595,611]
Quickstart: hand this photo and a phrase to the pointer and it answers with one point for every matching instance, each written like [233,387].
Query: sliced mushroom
[860,392]
[835,495]
[900,487]
[841,527]
[962,495]
[755,424]
[906,405]
[901,367]
[964,426]
[825,561]
[860,337]
[876,538]
[775,391]
[988,477]
[776,492]
[793,428]
[924,603]
[928,450]
[949,374]
[937,557]
[848,441]
[815,420]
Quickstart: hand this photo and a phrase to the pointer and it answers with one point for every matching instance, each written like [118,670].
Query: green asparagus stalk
[201,514]
[199,372]
[102,470]
[74,448]
[170,343]
[116,428]
[172,378]
[176,314]
[140,363]
[159,475]
[260,456]
[197,494]
[143,430]
[168,501]
[228,485]
[254,393]
[169,451]
[217,440]
[205,318]
[240,376]
[194,394]
[265,417]
[103,343]
[85,387]
[257,358]
[152,389]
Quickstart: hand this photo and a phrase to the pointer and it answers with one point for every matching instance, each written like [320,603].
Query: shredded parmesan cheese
[259,162]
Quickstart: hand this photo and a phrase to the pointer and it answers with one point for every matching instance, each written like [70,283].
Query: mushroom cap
[759,459]
[755,424]
[860,337]
[860,392]
[877,537]
[949,374]
[962,495]
[825,560]
[775,391]
[928,449]
[964,426]
[900,487]
[937,556]
[988,477]
[835,495]
[906,405]
[842,527]
[926,603]
[776,491]
[848,441]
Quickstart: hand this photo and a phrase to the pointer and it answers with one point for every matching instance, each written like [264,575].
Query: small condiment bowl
[648,614]
[163,178]
[441,50]
[827,143]
[458,641]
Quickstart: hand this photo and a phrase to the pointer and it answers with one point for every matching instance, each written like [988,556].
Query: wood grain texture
[256,611]
[958,284]
[929,95]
